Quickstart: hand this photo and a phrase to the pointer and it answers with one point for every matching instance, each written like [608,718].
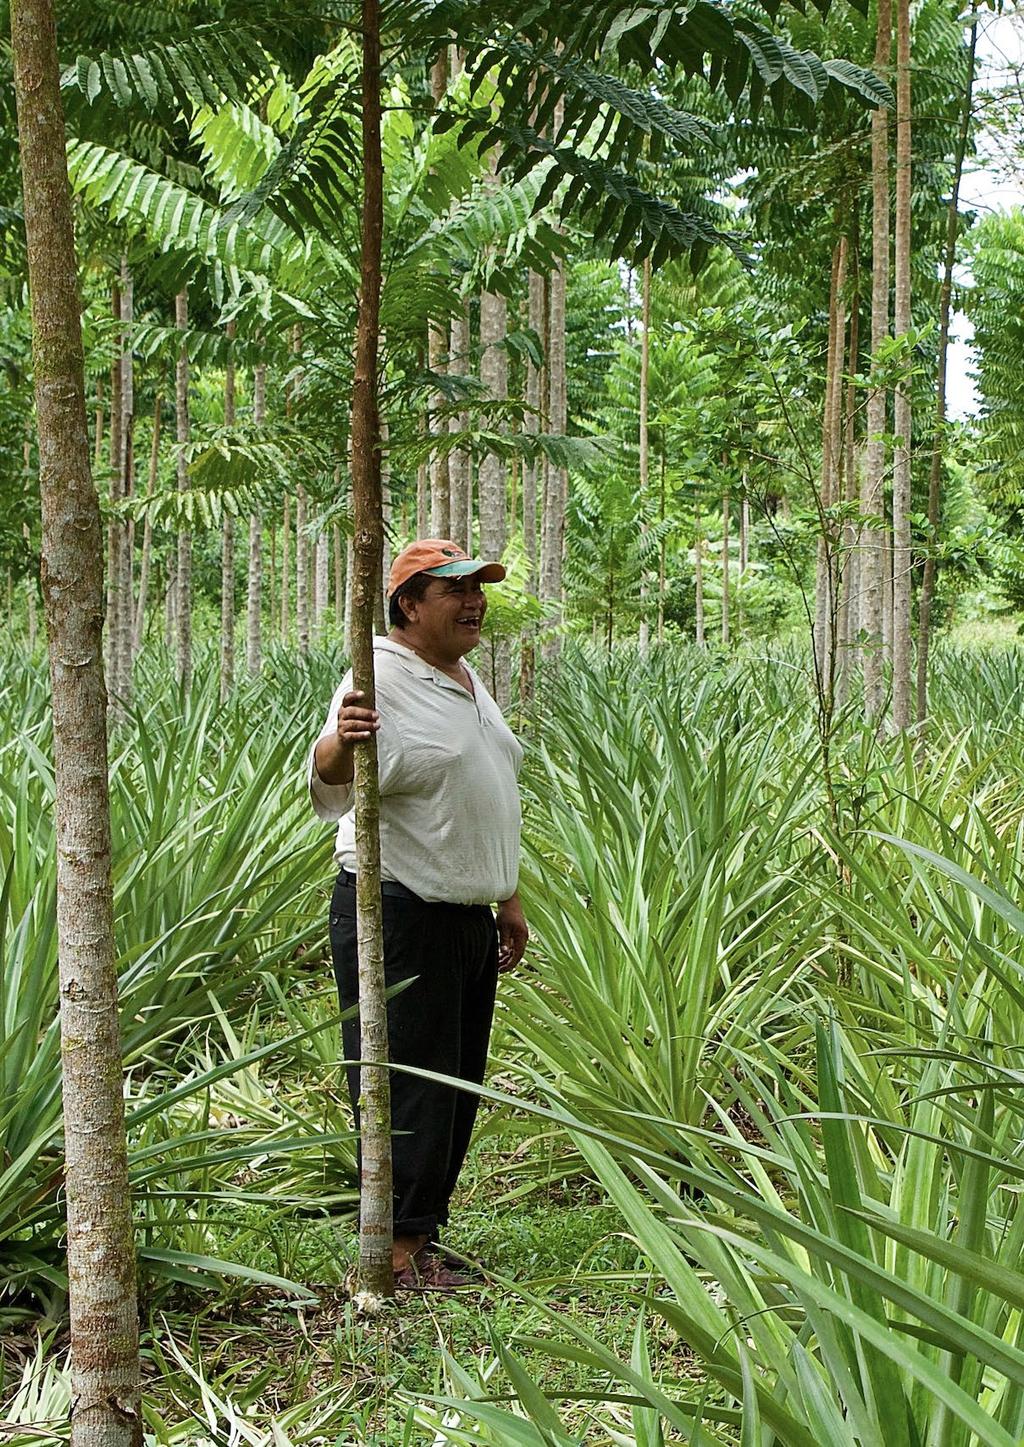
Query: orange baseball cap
[441,558]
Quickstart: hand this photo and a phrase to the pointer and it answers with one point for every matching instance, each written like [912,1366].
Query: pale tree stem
[115,467]
[102,1292]
[458,459]
[124,612]
[183,580]
[254,572]
[725,569]
[286,564]
[339,578]
[902,420]
[555,478]
[645,450]
[227,552]
[872,498]
[698,576]
[924,628]
[492,471]
[147,527]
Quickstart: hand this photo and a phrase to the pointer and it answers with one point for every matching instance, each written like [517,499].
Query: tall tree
[902,417]
[254,571]
[227,552]
[492,500]
[101,1260]
[872,496]
[375,1206]
[183,573]
[924,622]
[645,445]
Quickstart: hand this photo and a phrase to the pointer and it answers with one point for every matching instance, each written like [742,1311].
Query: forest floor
[259,1356]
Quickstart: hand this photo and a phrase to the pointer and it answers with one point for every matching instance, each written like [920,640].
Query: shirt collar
[417,665]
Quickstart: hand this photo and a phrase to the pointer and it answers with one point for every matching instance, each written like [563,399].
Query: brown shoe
[427,1272]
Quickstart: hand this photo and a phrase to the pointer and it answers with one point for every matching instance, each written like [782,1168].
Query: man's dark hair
[414,589]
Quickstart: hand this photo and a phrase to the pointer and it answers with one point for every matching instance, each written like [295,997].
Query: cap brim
[466,567]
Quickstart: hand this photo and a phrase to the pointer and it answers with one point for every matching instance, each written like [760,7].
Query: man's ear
[407,606]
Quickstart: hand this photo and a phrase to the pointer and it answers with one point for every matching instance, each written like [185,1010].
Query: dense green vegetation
[753,1109]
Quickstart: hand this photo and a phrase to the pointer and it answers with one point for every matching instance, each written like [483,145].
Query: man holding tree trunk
[449,834]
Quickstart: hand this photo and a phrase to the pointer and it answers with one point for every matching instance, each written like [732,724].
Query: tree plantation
[653,309]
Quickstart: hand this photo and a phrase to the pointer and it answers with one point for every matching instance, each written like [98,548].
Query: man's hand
[333,757]
[512,933]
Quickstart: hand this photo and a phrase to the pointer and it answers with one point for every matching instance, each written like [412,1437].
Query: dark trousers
[440,1022]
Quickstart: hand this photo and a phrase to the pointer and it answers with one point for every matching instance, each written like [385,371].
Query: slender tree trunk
[105,1390]
[458,460]
[254,581]
[902,646]
[339,578]
[437,361]
[440,481]
[725,569]
[115,460]
[556,478]
[887,599]
[873,482]
[536,390]
[147,528]
[924,625]
[380,610]
[375,1224]
[492,473]
[698,576]
[302,568]
[272,582]
[661,549]
[849,580]
[645,449]
[227,554]
[183,588]
[97,455]
[422,501]
[123,618]
[286,565]
[827,582]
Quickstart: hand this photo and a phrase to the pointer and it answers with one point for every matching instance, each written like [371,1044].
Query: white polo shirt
[449,811]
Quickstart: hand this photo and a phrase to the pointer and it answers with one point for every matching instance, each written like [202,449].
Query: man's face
[449,616]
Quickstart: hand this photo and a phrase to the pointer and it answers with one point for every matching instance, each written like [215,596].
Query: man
[449,833]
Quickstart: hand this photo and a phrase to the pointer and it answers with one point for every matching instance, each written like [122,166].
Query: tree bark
[302,568]
[254,580]
[849,580]
[902,420]
[725,569]
[872,503]
[924,622]
[556,479]
[101,1261]
[227,554]
[458,459]
[124,611]
[827,581]
[492,471]
[375,1223]
[147,528]
[116,466]
[183,577]
[339,578]
[437,361]
[698,577]
[286,564]
[645,448]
